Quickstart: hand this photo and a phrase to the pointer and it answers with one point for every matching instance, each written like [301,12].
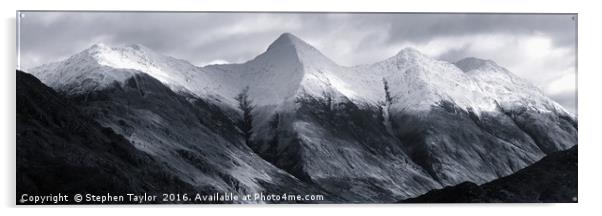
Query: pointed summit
[289,47]
[288,40]
[409,55]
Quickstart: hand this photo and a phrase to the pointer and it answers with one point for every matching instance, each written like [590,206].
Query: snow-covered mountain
[369,133]
[290,67]
[100,66]
[123,88]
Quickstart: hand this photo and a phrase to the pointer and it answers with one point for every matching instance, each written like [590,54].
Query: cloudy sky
[540,48]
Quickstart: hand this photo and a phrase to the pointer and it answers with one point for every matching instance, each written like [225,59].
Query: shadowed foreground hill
[552,179]
[60,150]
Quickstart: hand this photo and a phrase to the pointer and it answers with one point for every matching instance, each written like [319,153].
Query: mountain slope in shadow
[60,150]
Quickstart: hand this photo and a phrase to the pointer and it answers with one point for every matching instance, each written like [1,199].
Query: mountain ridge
[302,48]
[302,69]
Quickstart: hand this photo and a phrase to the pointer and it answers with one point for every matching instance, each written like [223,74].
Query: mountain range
[293,121]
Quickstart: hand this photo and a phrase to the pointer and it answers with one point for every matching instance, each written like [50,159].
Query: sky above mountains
[540,48]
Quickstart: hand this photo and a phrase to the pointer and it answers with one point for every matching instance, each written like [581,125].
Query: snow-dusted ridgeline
[290,67]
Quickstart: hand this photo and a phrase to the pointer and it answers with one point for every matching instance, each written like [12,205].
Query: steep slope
[307,124]
[61,150]
[197,141]
[343,148]
[506,88]
[552,179]
[331,134]
[288,68]
[502,116]
[551,126]
[432,99]
[416,82]
[99,66]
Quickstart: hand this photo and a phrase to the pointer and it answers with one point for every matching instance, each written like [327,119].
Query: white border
[589,103]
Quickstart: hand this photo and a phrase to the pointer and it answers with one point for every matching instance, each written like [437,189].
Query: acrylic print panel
[196,107]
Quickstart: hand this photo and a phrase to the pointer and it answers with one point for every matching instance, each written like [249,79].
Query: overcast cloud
[540,48]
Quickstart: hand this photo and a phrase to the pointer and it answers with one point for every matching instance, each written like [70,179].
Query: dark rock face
[199,142]
[454,145]
[343,148]
[551,132]
[551,180]
[348,149]
[61,150]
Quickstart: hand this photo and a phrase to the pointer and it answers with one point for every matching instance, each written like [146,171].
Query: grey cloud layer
[349,39]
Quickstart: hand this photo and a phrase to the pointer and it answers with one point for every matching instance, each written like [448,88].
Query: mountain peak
[288,40]
[103,64]
[122,56]
[101,48]
[289,46]
[408,55]
[288,36]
